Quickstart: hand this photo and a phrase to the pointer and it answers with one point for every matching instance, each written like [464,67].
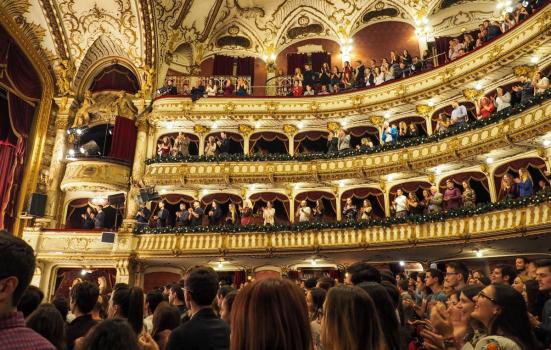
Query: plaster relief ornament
[123,106]
[82,116]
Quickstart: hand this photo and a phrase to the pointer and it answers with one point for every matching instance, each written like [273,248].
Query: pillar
[338,205]
[492,186]
[422,45]
[291,144]
[386,194]
[380,136]
[428,119]
[201,144]
[271,88]
[125,273]
[138,170]
[246,149]
[57,165]
[291,207]
[152,142]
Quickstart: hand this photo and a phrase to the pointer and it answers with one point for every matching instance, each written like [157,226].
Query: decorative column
[426,112]
[491,181]
[201,131]
[291,194]
[338,196]
[57,165]
[152,141]
[245,131]
[125,272]
[378,122]
[290,131]
[138,170]
[386,195]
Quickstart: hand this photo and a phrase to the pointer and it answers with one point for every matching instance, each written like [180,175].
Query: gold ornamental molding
[524,70]
[527,125]
[472,95]
[531,220]
[518,42]
[96,176]
[424,110]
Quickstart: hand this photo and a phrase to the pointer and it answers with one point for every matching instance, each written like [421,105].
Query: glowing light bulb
[489,160]
[402,263]
[547,143]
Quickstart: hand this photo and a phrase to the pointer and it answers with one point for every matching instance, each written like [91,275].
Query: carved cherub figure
[82,116]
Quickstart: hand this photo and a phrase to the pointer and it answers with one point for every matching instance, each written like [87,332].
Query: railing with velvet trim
[525,218]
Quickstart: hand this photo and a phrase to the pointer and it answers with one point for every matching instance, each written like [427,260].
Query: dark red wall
[328,45]
[377,40]
[159,279]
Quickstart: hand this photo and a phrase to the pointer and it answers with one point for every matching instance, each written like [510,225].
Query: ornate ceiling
[80,35]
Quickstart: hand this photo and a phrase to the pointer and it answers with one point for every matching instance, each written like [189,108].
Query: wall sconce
[269,57]
[346,49]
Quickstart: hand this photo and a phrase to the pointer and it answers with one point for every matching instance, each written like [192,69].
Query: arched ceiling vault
[147,33]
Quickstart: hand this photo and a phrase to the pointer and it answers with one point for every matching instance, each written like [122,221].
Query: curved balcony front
[95,176]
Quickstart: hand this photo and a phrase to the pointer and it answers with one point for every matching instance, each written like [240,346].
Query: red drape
[360,131]
[310,136]
[223,65]
[239,277]
[318,59]
[296,60]
[124,140]
[245,67]
[467,176]
[313,196]
[221,198]
[409,187]
[268,136]
[272,197]
[362,193]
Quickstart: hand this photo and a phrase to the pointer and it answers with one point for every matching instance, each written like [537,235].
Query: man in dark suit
[162,215]
[171,88]
[84,296]
[204,331]
[215,214]
[196,214]
[332,143]
[99,220]
[224,143]
[142,217]
[359,80]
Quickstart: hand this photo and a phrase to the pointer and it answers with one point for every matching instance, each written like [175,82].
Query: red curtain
[269,137]
[116,77]
[223,65]
[310,136]
[230,135]
[318,59]
[467,176]
[239,277]
[124,140]
[176,198]
[313,196]
[272,197]
[296,60]
[409,187]
[245,67]
[363,193]
[360,131]
[221,198]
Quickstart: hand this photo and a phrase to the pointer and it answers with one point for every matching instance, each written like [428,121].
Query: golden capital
[289,129]
[424,110]
[61,122]
[524,70]
[200,129]
[245,129]
[484,168]
[430,177]
[271,107]
[377,120]
[142,124]
[472,94]
[314,107]
[333,126]
[229,107]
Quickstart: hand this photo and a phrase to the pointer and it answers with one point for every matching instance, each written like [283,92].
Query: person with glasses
[17,264]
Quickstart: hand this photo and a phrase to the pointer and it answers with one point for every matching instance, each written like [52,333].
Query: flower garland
[494,118]
[481,208]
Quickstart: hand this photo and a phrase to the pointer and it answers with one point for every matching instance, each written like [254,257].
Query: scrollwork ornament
[289,129]
[245,129]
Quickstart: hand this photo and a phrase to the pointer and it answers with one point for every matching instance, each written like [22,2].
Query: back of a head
[130,302]
[165,317]
[224,290]
[85,295]
[31,298]
[326,283]
[202,284]
[153,298]
[363,272]
[48,322]
[111,334]
[310,283]
[350,320]
[16,260]
[386,311]
[270,314]
[62,306]
[177,290]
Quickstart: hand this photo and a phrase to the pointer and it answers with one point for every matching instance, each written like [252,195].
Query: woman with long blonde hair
[525,184]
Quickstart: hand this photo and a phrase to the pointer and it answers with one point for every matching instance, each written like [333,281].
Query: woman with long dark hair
[46,320]
[165,319]
[315,298]
[127,303]
[350,321]
[270,314]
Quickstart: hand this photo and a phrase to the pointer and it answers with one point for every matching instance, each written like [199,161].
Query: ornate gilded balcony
[94,175]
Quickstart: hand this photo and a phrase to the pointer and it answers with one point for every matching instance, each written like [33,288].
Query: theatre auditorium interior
[378,170]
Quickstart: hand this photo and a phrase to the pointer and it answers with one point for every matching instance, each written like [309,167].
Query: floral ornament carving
[377,120]
[424,110]
[289,129]
[333,126]
[472,94]
[523,70]
[245,129]
[200,129]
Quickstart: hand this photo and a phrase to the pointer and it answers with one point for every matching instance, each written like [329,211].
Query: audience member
[17,264]
[176,299]
[457,275]
[165,319]
[304,212]
[226,307]
[204,330]
[400,204]
[127,303]
[113,334]
[349,212]
[543,277]
[503,274]
[452,196]
[49,323]
[32,297]
[83,298]
[62,306]
[152,299]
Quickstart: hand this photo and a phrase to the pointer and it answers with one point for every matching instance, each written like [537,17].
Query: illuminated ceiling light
[489,160]
[72,152]
[79,131]
[341,183]
[170,126]
[344,123]
[163,191]
[390,177]
[220,264]
[205,192]
[300,125]
[314,262]
[296,186]
[438,171]
[478,253]
[534,59]
[547,143]
[82,150]
[387,114]
[252,187]
[478,85]
[215,125]
[430,103]
[257,124]
[402,263]
[68,132]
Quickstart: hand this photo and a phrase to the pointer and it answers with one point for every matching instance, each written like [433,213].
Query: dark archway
[374,195]
[269,142]
[115,77]
[280,202]
[535,166]
[357,133]
[311,142]
[77,207]
[236,140]
[193,141]
[328,199]
[477,180]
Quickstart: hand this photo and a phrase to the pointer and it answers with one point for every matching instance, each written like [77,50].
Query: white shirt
[379,79]
[304,214]
[211,90]
[268,216]
[544,84]
[503,102]
[401,203]
[459,114]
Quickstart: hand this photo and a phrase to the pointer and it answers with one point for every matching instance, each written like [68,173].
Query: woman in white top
[502,100]
[211,147]
[304,212]
[212,88]
[268,214]
[540,84]
[387,73]
[379,76]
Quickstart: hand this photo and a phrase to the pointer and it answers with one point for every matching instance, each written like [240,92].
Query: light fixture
[344,123]
[296,186]
[163,191]
[205,192]
[534,59]
[82,150]
[220,264]
[300,125]
[252,187]
[390,177]
[215,125]
[478,86]
[257,124]
[547,143]
[430,103]
[314,262]
[72,152]
[505,6]
[402,263]
[422,27]
[79,131]
[489,160]
[346,49]
[68,131]
[387,114]
[341,183]
[478,253]
[438,171]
